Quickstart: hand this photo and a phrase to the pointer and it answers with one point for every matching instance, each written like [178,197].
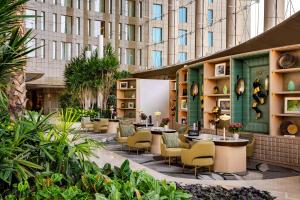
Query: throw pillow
[126,130]
[171,140]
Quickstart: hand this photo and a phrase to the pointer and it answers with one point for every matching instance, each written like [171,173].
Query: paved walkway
[282,188]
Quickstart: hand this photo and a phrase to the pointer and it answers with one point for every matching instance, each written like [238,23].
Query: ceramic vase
[291,86]
[225,89]
[236,136]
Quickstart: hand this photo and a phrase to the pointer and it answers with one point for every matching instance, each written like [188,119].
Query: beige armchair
[100,126]
[86,124]
[120,139]
[172,152]
[201,154]
[250,145]
[140,140]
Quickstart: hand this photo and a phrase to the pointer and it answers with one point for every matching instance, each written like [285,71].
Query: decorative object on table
[288,127]
[184,92]
[259,98]
[224,118]
[216,90]
[220,69]
[266,87]
[224,104]
[212,124]
[240,87]
[164,122]
[183,104]
[199,126]
[286,60]
[130,104]
[292,105]
[111,111]
[217,112]
[291,86]
[133,96]
[225,89]
[194,90]
[122,105]
[173,108]
[157,115]
[183,120]
[143,117]
[123,85]
[150,119]
[234,128]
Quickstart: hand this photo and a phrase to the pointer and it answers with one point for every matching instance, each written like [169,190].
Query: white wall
[154,96]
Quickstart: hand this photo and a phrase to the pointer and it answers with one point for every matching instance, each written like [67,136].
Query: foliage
[164,121]
[235,127]
[200,192]
[68,100]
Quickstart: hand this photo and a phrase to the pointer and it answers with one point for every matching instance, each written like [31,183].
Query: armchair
[86,124]
[201,154]
[101,125]
[172,152]
[140,140]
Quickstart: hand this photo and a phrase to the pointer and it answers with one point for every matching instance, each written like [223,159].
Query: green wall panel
[177,86]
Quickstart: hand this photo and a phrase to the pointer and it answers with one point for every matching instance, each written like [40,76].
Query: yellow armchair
[100,126]
[172,152]
[86,124]
[201,154]
[140,140]
[121,140]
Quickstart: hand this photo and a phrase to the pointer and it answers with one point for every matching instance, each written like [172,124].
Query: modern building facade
[145,33]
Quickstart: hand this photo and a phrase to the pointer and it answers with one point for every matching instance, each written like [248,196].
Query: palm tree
[13,51]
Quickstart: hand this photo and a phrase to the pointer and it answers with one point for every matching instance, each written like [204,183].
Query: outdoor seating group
[97,125]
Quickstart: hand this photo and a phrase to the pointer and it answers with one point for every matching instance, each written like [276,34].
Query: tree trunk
[17,89]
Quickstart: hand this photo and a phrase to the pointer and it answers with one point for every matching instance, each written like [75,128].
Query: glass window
[31,44]
[66,24]
[182,37]
[141,9]
[140,57]
[110,6]
[30,22]
[89,4]
[120,31]
[102,28]
[182,15]
[110,30]
[77,49]
[77,25]
[130,57]
[67,3]
[89,27]
[43,48]
[140,33]
[43,15]
[54,2]
[130,32]
[156,35]
[100,6]
[77,3]
[120,55]
[210,17]
[54,50]
[66,50]
[156,58]
[121,6]
[54,24]
[182,56]
[157,11]
[130,8]
[210,1]
[97,28]
[210,39]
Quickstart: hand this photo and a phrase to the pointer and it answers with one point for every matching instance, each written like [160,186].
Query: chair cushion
[126,130]
[173,152]
[171,140]
[202,161]
[182,130]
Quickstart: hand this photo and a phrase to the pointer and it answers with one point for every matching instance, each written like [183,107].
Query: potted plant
[164,123]
[143,117]
[212,124]
[234,128]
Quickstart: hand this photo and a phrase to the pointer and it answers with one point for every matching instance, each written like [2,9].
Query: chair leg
[137,151]
[183,168]
[169,160]
[196,172]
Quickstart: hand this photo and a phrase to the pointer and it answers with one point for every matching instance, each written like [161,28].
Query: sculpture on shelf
[267,84]
[194,90]
[291,86]
[259,98]
[225,89]
[240,87]
[216,90]
[286,60]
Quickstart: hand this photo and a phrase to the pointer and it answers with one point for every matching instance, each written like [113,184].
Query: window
[54,24]
[210,1]
[43,48]
[77,3]
[210,17]
[120,55]
[156,58]
[182,34]
[67,3]
[89,4]
[30,22]
[156,35]
[182,15]
[31,44]
[97,28]
[130,57]
[140,57]
[130,32]
[182,56]
[54,50]
[120,31]
[43,15]
[89,27]
[77,25]
[94,48]
[140,33]
[141,9]
[66,50]
[100,6]
[77,49]
[110,6]
[110,30]
[157,11]
[66,24]
[210,39]
[121,6]
[130,8]
[54,2]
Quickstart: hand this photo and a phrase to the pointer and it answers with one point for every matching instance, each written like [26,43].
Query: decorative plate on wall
[286,60]
[288,128]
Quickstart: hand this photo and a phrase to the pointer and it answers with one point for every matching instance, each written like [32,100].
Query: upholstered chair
[101,126]
[171,146]
[123,132]
[140,140]
[86,124]
[201,154]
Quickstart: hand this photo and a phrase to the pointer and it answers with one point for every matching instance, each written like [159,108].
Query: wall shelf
[286,92]
[286,115]
[126,98]
[218,77]
[218,95]
[289,70]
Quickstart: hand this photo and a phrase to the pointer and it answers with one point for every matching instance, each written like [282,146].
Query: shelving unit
[172,103]
[279,87]
[182,96]
[212,80]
